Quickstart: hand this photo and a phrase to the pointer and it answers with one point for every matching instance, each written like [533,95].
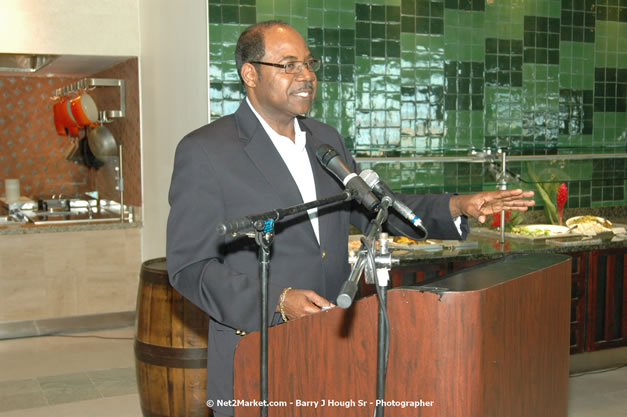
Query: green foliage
[547,177]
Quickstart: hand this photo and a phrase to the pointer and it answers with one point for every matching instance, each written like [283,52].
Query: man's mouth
[304,93]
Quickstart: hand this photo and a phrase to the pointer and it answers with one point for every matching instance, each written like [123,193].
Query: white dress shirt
[295,156]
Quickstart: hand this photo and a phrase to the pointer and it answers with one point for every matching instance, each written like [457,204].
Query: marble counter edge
[452,255]
[21,230]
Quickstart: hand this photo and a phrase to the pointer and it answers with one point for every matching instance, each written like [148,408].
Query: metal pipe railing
[484,159]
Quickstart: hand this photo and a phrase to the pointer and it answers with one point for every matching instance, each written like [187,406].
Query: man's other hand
[485,203]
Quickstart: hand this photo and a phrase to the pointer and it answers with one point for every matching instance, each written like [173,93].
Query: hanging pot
[84,110]
[58,118]
[89,159]
[102,143]
[63,119]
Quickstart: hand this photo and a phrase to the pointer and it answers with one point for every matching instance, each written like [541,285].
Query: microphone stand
[376,272]
[263,225]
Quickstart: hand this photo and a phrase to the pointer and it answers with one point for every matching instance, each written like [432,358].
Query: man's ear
[249,75]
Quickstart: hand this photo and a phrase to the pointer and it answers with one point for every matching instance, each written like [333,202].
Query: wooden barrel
[170,348]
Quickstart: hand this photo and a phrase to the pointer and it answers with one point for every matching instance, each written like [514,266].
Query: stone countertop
[489,247]
[29,228]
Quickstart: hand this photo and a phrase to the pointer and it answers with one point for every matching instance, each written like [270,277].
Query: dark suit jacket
[230,168]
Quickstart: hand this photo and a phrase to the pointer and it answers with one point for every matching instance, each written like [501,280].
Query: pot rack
[90,84]
[104,117]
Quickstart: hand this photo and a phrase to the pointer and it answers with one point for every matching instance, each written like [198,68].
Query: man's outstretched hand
[485,203]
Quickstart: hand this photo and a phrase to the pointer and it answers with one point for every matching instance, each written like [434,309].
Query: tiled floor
[93,375]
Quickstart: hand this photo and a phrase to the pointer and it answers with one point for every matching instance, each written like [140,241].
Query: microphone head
[325,153]
[370,177]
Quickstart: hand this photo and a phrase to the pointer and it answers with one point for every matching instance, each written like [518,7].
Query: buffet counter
[598,277]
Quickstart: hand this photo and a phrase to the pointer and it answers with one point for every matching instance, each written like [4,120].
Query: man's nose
[306,74]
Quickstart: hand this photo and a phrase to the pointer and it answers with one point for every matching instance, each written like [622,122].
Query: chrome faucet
[60,196]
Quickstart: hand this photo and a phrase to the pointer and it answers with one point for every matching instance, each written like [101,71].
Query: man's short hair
[250,45]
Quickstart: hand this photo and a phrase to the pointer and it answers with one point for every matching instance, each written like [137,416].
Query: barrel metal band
[155,277]
[172,357]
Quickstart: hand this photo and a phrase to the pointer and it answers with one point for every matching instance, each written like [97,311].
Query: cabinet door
[607,300]
[578,302]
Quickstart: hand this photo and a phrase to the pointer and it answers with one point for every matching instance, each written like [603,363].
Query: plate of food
[395,243]
[405,243]
[589,225]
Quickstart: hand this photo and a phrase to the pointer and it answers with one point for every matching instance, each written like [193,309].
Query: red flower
[562,196]
[496,218]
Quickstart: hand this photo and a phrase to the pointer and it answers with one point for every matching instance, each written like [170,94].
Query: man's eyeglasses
[294,67]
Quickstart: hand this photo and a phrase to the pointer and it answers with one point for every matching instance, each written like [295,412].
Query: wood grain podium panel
[492,340]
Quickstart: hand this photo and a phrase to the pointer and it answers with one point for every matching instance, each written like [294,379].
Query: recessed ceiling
[24,63]
[61,65]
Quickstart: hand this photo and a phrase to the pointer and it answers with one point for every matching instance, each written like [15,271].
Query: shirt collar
[300,136]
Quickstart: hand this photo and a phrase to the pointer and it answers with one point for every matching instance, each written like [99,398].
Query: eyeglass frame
[284,66]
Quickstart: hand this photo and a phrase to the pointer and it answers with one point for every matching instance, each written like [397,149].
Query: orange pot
[58,122]
[65,118]
[84,110]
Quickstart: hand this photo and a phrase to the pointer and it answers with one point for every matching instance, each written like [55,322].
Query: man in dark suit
[260,158]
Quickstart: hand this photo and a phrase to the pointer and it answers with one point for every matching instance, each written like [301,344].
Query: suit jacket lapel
[266,158]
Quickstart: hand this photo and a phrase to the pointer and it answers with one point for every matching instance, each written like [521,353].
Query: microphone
[381,189]
[334,163]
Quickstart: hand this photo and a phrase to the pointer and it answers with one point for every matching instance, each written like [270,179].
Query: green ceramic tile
[331,18]
[347,19]
[315,18]
[344,4]
[436,43]
[215,14]
[420,62]
[230,34]
[248,15]
[230,14]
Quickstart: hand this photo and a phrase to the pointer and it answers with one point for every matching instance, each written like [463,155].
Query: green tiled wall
[440,77]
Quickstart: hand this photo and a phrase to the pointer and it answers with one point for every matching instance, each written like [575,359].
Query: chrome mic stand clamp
[383,263]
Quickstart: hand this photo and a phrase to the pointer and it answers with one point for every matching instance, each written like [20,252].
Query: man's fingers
[300,303]
[318,300]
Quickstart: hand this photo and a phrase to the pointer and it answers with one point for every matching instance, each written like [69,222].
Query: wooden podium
[488,341]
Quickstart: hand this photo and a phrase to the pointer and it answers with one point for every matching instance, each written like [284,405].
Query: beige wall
[174,100]
[61,274]
[85,27]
